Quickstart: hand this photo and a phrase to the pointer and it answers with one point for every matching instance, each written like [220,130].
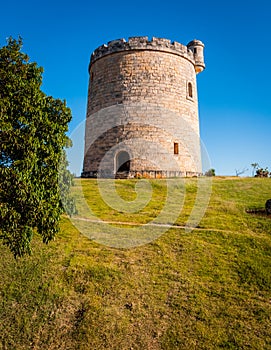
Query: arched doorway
[122,162]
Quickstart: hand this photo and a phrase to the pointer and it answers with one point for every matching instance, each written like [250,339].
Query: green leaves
[32,138]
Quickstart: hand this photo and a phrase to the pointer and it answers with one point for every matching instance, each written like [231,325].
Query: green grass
[205,289]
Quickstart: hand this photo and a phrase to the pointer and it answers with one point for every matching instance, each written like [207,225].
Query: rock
[268,207]
[129,306]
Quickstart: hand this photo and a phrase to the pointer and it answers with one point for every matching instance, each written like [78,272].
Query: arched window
[190,90]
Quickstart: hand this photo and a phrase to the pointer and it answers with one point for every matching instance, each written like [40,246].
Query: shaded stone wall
[140,101]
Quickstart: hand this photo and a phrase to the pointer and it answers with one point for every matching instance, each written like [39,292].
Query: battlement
[155,44]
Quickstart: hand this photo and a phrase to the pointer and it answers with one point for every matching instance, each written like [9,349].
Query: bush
[210,172]
[262,172]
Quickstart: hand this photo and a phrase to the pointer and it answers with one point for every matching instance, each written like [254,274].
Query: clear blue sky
[234,90]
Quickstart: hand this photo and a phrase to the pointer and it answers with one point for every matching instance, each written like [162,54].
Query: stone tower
[142,114]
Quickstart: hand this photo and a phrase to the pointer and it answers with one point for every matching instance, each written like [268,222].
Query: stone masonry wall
[142,99]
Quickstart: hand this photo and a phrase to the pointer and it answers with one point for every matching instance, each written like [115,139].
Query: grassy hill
[209,288]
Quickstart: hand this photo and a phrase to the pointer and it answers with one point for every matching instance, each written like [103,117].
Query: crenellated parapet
[192,52]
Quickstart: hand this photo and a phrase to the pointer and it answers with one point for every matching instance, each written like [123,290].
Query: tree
[240,172]
[210,172]
[32,139]
[254,166]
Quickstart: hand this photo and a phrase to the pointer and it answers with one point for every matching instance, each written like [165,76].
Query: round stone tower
[142,114]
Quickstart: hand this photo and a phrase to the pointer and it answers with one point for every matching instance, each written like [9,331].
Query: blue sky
[234,90]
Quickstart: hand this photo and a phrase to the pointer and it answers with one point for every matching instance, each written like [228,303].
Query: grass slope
[205,289]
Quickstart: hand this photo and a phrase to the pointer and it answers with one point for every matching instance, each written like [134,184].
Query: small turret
[197,47]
